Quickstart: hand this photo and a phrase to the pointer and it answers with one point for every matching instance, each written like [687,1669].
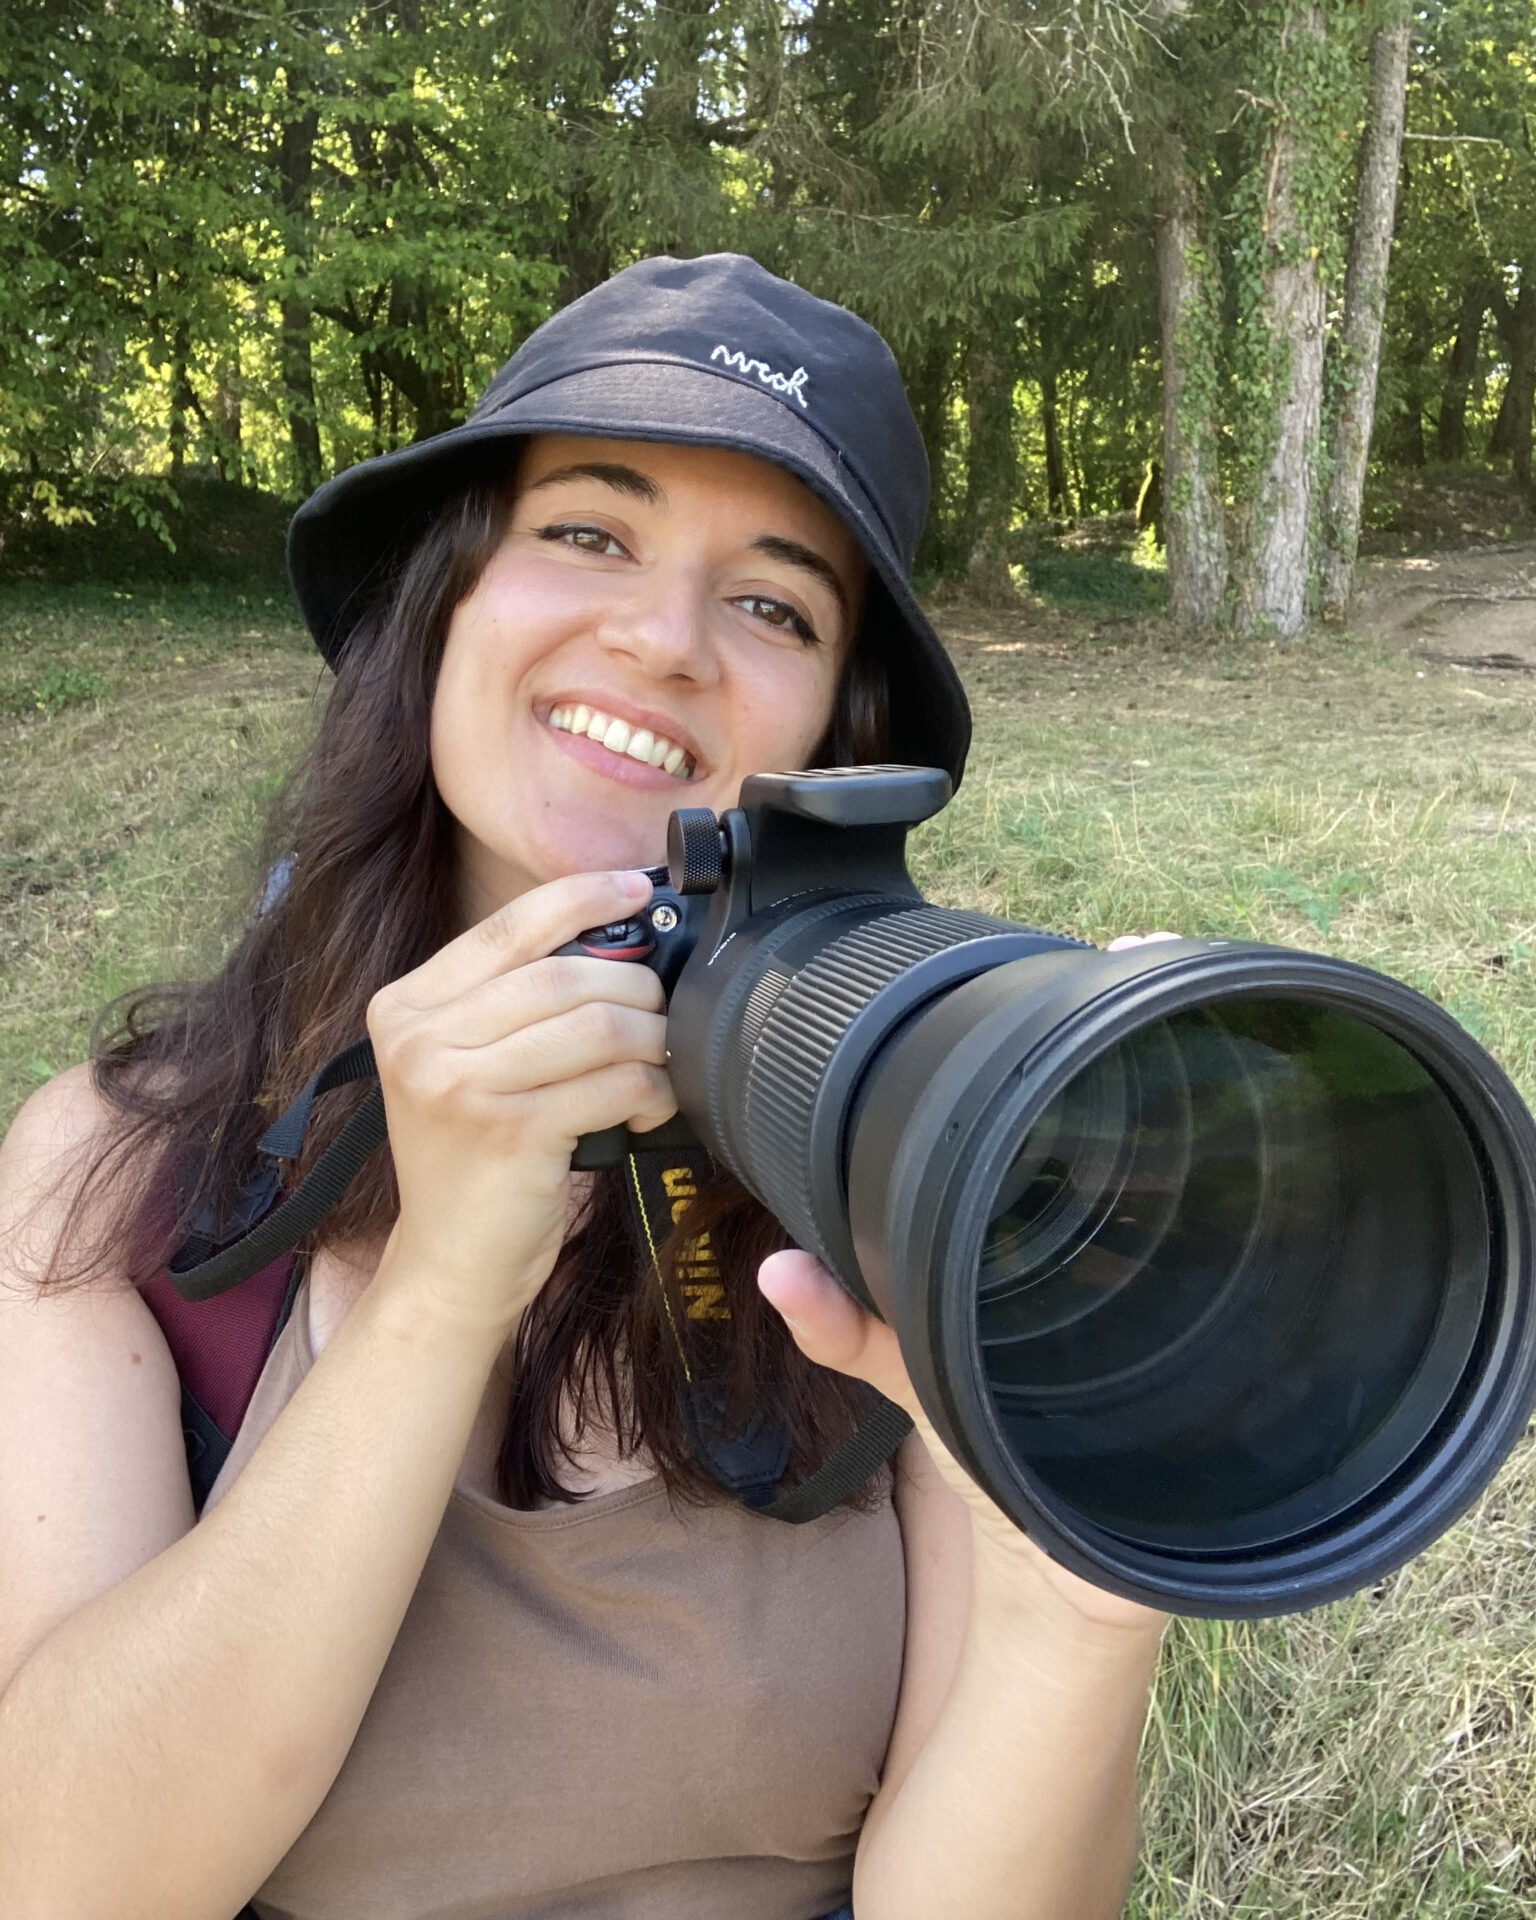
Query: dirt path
[1475,609]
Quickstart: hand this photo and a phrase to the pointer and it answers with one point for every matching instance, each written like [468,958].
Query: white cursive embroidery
[785,383]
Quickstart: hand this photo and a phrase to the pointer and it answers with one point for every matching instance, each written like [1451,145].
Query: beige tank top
[609,1711]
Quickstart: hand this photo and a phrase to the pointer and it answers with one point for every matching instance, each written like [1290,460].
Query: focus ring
[780,1071]
[738,1018]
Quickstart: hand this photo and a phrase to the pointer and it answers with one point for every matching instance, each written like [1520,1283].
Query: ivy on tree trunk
[1188,308]
[1365,304]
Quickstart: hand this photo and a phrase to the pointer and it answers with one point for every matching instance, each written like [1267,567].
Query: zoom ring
[781,1074]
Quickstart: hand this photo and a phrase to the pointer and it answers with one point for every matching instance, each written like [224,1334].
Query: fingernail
[634,884]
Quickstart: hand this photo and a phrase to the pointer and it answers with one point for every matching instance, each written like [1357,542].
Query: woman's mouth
[619,737]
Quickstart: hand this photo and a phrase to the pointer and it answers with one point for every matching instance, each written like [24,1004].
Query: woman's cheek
[782,719]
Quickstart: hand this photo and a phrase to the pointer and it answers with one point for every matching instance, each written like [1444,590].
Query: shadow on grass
[1097,582]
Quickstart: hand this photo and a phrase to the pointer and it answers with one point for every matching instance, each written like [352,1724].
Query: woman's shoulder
[62,1134]
[66,1112]
[62,1124]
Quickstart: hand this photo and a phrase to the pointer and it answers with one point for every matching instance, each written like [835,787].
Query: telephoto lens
[1210,1261]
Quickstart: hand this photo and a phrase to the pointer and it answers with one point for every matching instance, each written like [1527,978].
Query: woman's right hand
[494,1056]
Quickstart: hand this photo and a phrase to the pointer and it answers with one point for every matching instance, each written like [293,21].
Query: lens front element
[1233,1275]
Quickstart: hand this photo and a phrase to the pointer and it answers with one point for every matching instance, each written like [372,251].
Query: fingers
[540,991]
[596,1034]
[525,929]
[628,1094]
[1139,940]
[831,1328]
[420,1067]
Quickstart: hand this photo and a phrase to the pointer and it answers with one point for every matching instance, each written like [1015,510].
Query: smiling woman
[469,1619]
[691,598]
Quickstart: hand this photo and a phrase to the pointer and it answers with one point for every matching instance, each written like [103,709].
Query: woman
[466,1628]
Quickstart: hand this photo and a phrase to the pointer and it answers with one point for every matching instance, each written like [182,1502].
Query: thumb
[830,1327]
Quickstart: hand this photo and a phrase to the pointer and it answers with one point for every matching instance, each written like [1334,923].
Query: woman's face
[691,606]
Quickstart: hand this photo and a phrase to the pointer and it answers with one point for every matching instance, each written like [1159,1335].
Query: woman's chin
[601,845]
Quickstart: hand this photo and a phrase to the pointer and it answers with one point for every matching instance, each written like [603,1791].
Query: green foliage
[1467,226]
[204,529]
[263,245]
[1104,582]
[52,690]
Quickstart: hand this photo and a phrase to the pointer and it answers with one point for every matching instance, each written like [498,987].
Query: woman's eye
[585,539]
[776,613]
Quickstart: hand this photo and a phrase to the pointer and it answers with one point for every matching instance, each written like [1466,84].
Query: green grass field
[1374,1759]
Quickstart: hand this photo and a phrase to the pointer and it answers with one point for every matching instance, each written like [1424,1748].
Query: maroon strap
[220,1345]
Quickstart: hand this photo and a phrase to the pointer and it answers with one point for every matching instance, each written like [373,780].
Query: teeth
[635,743]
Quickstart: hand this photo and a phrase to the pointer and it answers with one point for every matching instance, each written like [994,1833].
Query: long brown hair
[195,1073]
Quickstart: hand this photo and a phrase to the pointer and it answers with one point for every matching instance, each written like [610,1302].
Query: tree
[1365,304]
[1188,308]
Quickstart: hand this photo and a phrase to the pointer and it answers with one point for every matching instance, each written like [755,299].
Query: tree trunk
[228,438]
[431,393]
[1188,298]
[1408,444]
[1517,326]
[1365,305]
[991,461]
[930,382]
[1460,371]
[183,400]
[1271,576]
[586,258]
[1057,502]
[296,153]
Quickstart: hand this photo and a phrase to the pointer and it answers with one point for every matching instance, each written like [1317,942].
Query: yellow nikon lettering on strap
[706,1302]
[698,1270]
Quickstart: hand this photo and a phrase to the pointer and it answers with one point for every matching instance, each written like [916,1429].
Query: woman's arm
[175,1701]
[165,1740]
[1009,1791]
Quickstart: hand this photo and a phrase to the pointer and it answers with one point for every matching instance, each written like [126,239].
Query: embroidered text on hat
[785,383]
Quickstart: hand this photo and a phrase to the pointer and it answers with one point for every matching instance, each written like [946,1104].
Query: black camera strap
[748,1461]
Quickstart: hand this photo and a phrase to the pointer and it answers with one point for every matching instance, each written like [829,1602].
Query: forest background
[253,244]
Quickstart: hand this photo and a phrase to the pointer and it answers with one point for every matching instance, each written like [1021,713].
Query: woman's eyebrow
[630,480]
[795,555]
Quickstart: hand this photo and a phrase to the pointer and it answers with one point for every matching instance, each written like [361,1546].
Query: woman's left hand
[833,1330]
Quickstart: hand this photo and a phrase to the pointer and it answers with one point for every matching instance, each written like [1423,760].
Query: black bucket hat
[708,352]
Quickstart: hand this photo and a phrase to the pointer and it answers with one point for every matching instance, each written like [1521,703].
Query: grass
[1096,581]
[143,733]
[1377,1758]
[1372,1760]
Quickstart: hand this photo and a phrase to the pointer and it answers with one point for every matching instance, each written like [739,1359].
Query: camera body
[1211,1262]
[837,834]
[840,829]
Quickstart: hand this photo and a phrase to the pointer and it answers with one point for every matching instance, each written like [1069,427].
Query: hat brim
[340,542]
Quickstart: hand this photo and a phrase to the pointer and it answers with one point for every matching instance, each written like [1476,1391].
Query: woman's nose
[665,628]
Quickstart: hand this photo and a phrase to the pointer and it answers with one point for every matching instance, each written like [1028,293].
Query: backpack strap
[749,1462]
[220,1347]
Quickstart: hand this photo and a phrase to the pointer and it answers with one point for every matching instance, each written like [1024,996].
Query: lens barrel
[1211,1262]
